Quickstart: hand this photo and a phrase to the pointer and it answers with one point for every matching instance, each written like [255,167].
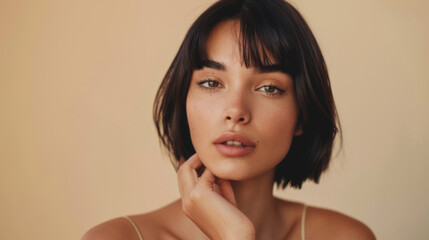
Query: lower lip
[233,151]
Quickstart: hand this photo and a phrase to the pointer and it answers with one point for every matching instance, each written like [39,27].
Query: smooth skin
[228,197]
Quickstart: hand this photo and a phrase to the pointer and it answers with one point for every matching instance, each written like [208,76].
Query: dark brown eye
[212,84]
[271,90]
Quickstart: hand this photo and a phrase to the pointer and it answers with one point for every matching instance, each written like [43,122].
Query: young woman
[245,104]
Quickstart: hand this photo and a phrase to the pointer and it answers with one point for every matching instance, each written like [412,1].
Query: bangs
[261,45]
[264,40]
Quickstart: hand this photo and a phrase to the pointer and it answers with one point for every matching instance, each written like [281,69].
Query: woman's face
[242,120]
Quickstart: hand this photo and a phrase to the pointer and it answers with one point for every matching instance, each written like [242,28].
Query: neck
[255,199]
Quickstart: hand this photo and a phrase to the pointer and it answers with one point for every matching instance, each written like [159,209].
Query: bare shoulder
[328,224]
[115,229]
[150,225]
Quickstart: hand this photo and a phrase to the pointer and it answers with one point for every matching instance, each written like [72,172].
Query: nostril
[228,118]
[241,119]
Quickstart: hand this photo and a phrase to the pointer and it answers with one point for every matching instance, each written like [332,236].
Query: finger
[193,162]
[187,176]
[181,161]
[190,165]
[226,190]
[207,179]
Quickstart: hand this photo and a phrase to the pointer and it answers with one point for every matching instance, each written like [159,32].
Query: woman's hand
[210,203]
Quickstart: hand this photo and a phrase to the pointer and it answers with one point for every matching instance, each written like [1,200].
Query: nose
[237,109]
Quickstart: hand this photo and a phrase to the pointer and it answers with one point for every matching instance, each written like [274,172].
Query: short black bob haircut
[271,32]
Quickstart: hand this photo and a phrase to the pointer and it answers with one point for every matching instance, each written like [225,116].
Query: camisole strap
[304,212]
[135,227]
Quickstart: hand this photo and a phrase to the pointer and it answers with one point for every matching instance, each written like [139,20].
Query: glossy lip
[234,151]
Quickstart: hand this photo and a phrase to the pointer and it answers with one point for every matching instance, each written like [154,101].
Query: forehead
[227,42]
[224,42]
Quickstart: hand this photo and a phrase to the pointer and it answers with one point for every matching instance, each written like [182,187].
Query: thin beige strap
[135,227]
[304,212]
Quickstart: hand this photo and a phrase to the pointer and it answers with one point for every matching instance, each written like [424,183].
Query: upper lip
[234,136]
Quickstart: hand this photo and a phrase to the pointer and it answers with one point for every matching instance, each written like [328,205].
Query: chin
[231,171]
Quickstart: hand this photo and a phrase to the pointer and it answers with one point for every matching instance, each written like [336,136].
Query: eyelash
[208,87]
[276,90]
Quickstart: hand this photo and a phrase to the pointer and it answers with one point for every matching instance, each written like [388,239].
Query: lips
[234,144]
[232,136]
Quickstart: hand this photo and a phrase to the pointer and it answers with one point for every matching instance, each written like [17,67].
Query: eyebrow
[264,69]
[213,64]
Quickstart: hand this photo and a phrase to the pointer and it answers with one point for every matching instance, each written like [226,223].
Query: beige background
[77,82]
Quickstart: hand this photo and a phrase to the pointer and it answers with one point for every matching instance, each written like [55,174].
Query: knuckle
[180,168]
[181,171]
[195,196]
[183,167]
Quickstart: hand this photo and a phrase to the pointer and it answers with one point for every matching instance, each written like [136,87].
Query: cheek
[194,119]
[277,126]
[200,114]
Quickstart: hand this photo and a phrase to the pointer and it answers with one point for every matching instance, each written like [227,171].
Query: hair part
[271,32]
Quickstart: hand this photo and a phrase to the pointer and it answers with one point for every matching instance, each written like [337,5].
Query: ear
[298,130]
